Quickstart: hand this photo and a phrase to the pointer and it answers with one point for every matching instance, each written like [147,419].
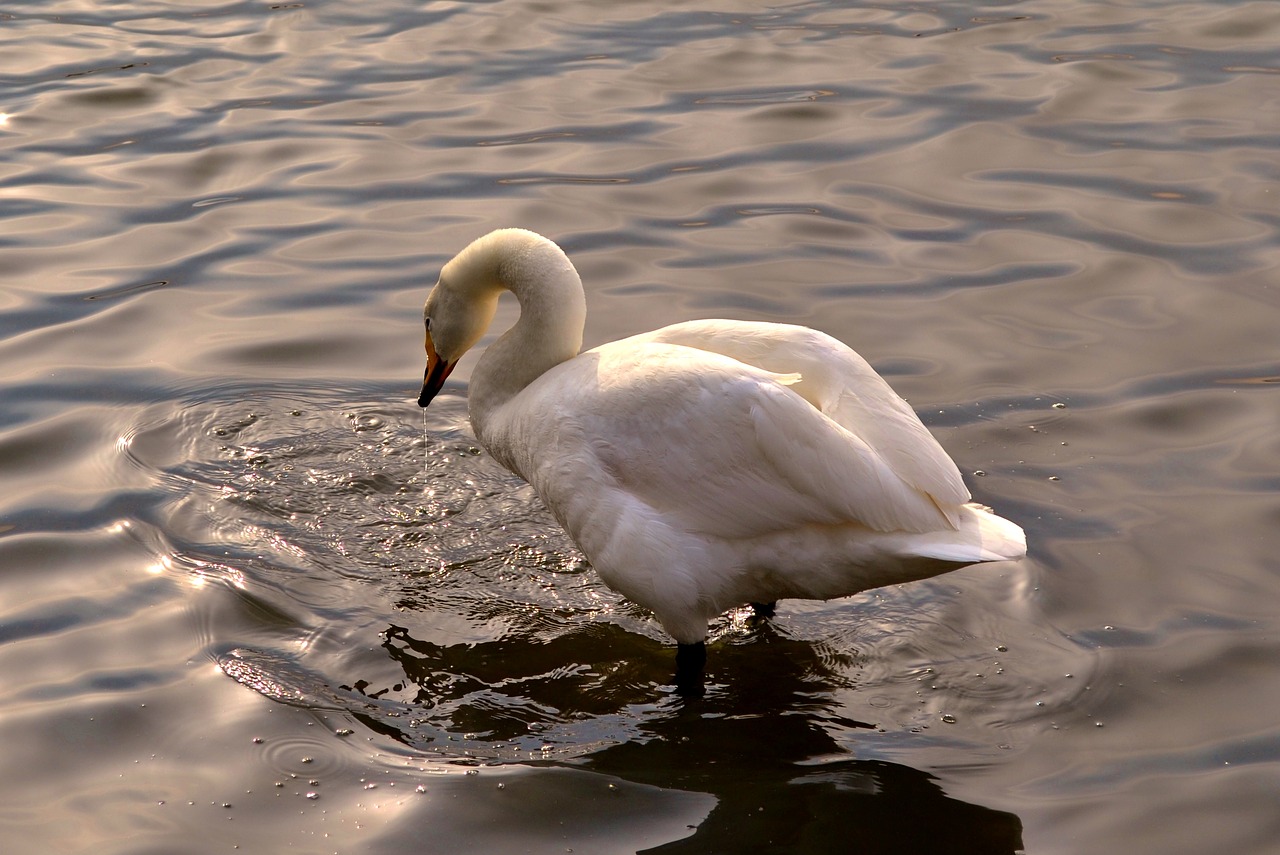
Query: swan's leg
[764,610]
[690,661]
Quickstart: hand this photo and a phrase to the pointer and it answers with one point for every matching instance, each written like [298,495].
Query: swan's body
[707,464]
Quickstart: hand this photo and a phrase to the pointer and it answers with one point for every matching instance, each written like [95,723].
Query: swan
[705,465]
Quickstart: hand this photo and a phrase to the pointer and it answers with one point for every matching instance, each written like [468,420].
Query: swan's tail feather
[983,536]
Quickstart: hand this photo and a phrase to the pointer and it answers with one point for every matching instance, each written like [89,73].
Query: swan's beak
[437,372]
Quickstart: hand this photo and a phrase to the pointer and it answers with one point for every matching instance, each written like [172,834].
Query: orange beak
[437,372]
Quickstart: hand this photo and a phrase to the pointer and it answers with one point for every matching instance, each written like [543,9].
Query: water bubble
[1059,406]
[948,718]
[421,788]
[313,795]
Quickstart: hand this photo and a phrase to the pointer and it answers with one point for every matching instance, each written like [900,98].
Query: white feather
[711,463]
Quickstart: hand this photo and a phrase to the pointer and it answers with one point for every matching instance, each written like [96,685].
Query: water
[246,601]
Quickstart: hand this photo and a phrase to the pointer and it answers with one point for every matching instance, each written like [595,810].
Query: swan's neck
[549,330]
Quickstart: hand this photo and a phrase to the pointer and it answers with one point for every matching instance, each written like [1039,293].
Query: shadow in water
[769,802]
[782,783]
[758,742]
[853,806]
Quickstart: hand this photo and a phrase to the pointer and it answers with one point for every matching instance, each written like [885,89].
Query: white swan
[708,464]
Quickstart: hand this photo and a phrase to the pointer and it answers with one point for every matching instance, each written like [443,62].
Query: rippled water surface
[248,599]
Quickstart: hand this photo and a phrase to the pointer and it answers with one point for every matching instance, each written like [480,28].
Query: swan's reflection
[862,806]
[756,741]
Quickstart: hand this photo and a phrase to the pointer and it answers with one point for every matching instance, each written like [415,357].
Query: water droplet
[1054,478]
[344,731]
[257,740]
[308,759]
[421,788]
[948,718]
[502,786]
[1001,648]
[979,473]
[370,786]
[313,795]
[1059,406]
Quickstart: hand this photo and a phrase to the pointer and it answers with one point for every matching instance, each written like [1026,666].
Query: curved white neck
[549,330]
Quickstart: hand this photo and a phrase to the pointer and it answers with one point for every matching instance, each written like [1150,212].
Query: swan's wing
[843,386]
[713,445]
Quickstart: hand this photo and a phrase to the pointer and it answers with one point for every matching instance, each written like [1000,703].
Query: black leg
[764,610]
[690,661]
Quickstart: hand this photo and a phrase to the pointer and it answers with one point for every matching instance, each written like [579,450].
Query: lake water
[249,601]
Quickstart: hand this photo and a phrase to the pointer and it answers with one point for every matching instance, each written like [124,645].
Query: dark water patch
[947,282]
[126,290]
[1107,184]
[578,134]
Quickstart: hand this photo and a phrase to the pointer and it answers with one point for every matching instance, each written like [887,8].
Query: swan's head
[461,306]
[455,319]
